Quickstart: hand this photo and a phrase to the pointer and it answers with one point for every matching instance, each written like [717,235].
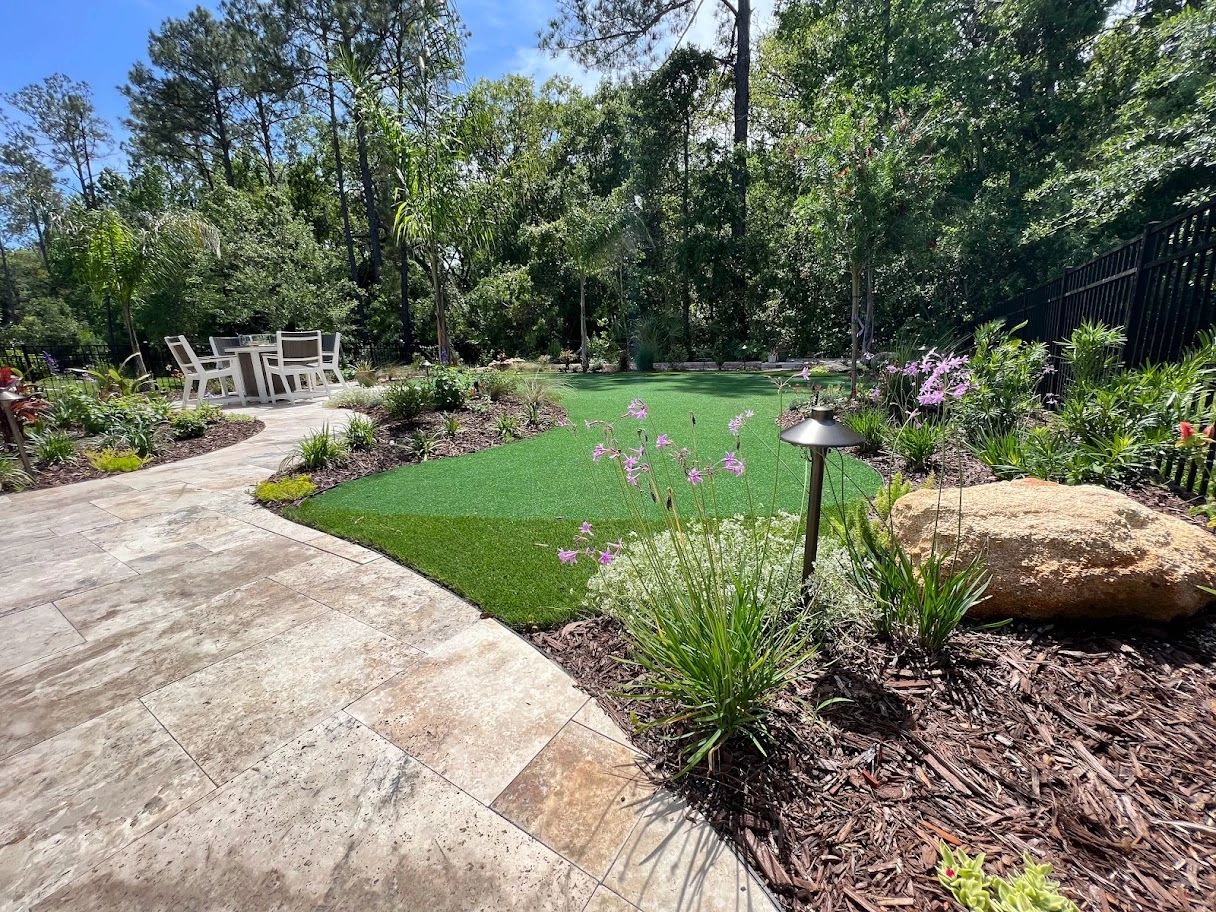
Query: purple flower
[958,392]
[567,556]
[695,477]
[736,423]
[598,453]
[931,397]
[733,464]
[661,441]
[875,394]
[585,528]
[630,463]
[637,409]
[911,369]
[606,557]
[891,369]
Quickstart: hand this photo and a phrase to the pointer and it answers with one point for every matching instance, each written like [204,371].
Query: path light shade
[819,433]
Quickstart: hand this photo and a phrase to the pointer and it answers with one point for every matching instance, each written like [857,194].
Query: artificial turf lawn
[488,525]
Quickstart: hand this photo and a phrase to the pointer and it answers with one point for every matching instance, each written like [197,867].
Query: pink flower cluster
[583,547]
[945,377]
[735,425]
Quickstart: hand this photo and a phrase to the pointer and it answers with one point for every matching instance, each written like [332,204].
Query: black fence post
[1133,312]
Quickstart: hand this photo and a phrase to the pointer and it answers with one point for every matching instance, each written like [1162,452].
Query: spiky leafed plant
[120,260]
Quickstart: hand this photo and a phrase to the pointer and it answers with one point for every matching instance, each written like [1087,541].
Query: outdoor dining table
[253,371]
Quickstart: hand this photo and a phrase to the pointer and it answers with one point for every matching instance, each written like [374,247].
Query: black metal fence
[1159,288]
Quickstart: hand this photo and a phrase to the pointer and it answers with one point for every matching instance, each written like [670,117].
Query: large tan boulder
[1059,551]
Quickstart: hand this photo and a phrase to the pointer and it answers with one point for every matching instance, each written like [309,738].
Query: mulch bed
[477,432]
[219,435]
[1096,753]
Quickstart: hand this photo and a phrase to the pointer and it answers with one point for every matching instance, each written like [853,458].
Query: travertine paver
[71,799]
[33,633]
[338,819]
[476,709]
[236,711]
[581,795]
[160,621]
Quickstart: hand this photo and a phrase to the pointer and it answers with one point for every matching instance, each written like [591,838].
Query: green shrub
[319,450]
[284,490]
[1001,452]
[187,424]
[497,384]
[872,424]
[239,418]
[895,488]
[53,447]
[919,604]
[918,443]
[141,431]
[542,389]
[360,433]
[1031,891]
[1005,373]
[507,427]
[110,459]
[451,425]
[422,446]
[405,400]
[12,476]
[616,588]
[365,374]
[1092,352]
[208,412]
[448,389]
[357,397]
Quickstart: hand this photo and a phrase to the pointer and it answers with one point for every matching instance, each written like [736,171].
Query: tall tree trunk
[221,131]
[8,307]
[441,317]
[867,338]
[133,340]
[738,226]
[40,231]
[855,271]
[267,145]
[91,197]
[582,322]
[685,205]
[407,318]
[343,204]
[369,197]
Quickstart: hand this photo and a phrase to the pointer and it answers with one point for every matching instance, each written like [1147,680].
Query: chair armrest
[225,359]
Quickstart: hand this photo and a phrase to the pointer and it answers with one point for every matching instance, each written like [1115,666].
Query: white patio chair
[298,356]
[221,346]
[331,352]
[200,372]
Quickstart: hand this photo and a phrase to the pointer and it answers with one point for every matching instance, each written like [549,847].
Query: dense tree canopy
[858,171]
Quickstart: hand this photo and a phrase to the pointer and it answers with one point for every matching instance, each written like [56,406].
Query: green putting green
[488,525]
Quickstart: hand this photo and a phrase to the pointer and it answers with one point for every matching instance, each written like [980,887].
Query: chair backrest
[330,344]
[221,345]
[183,354]
[299,346]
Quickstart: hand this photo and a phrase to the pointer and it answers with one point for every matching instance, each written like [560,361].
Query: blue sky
[98,40]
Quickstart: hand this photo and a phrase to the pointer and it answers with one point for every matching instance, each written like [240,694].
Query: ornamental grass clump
[716,625]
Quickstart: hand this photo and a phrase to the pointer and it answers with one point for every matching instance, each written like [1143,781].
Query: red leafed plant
[26,409]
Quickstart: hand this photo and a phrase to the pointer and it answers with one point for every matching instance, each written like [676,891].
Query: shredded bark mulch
[1095,752]
[218,435]
[478,431]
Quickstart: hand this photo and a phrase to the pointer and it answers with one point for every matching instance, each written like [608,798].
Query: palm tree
[120,261]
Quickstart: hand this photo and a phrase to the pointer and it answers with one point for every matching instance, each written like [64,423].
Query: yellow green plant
[112,460]
[892,491]
[283,490]
[1031,891]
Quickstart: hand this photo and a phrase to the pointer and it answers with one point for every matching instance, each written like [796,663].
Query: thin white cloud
[542,65]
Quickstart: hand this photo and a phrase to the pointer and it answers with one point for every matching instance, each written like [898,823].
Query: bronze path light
[819,433]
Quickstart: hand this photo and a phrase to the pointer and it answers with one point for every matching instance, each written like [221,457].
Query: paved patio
[208,707]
